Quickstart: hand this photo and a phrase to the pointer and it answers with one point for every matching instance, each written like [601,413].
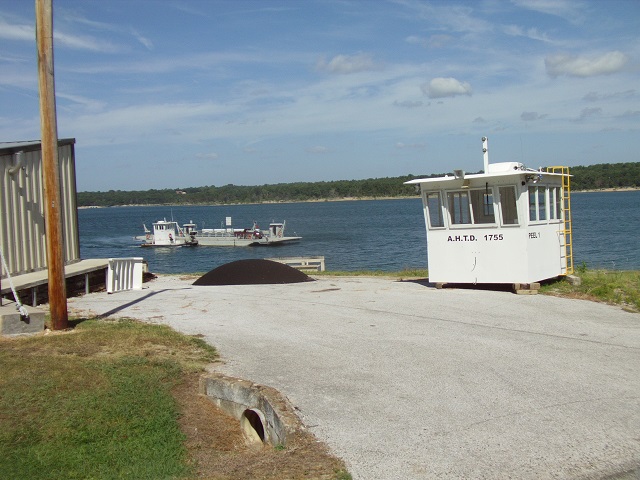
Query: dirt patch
[218,450]
[253,272]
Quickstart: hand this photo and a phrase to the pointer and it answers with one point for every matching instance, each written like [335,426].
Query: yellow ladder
[566,213]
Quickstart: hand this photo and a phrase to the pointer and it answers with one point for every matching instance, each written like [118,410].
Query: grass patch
[616,287]
[95,402]
[119,399]
[401,274]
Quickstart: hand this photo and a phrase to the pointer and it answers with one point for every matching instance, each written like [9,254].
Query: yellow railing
[566,214]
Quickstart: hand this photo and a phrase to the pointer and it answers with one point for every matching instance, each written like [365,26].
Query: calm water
[382,235]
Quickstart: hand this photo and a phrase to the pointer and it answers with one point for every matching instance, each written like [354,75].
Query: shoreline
[608,190]
[321,200]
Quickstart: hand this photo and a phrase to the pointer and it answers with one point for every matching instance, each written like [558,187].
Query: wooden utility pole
[50,166]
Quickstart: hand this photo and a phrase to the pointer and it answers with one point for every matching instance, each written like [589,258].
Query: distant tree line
[605,175]
[282,192]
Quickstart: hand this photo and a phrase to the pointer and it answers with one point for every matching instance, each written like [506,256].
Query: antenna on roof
[485,154]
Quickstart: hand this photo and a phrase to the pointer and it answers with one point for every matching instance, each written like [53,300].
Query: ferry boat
[167,234]
[240,237]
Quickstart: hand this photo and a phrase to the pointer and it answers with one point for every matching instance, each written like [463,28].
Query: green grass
[343,475]
[95,403]
[406,273]
[615,287]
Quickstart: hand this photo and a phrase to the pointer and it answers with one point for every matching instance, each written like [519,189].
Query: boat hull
[172,245]
[205,241]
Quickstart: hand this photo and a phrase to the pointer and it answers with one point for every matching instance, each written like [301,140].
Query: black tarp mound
[252,272]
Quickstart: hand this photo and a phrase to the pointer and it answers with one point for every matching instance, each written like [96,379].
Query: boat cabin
[167,233]
[510,224]
[276,230]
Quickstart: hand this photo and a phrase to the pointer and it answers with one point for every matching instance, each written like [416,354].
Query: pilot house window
[555,203]
[482,206]
[471,206]
[459,207]
[434,206]
[537,204]
[508,205]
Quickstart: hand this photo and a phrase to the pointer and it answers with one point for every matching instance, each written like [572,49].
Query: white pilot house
[510,224]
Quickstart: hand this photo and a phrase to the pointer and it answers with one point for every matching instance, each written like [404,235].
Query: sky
[176,94]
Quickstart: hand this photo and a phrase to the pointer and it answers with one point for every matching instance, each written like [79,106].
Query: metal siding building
[22,217]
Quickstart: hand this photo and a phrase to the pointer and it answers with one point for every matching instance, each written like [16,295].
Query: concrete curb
[265,415]
[12,323]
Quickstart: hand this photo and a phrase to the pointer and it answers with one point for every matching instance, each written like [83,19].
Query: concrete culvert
[252,423]
[252,272]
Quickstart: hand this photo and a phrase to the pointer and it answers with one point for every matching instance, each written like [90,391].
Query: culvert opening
[252,423]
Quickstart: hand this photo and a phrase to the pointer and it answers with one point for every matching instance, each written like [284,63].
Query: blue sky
[173,94]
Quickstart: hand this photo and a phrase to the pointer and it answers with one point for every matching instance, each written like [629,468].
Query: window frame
[537,206]
[428,213]
[556,210]
[452,195]
[484,193]
[501,204]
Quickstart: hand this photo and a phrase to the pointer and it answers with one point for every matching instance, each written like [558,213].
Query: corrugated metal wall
[22,226]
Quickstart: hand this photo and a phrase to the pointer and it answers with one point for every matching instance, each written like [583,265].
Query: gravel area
[404,381]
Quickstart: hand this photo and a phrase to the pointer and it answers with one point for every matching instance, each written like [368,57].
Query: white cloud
[417,146]
[17,32]
[76,21]
[595,96]
[415,40]
[447,16]
[630,115]
[126,124]
[446,87]
[582,66]
[434,41]
[88,103]
[408,104]
[143,40]
[590,112]
[345,64]
[19,78]
[27,33]
[532,33]
[317,149]
[199,61]
[207,156]
[532,116]
[571,10]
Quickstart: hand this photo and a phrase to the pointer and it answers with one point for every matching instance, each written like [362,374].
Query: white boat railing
[124,274]
[214,234]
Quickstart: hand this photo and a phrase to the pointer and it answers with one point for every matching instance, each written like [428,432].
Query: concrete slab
[406,381]
[12,323]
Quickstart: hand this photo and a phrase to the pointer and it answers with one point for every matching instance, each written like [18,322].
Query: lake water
[386,235]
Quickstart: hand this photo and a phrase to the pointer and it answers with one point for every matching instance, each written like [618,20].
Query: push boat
[167,234]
